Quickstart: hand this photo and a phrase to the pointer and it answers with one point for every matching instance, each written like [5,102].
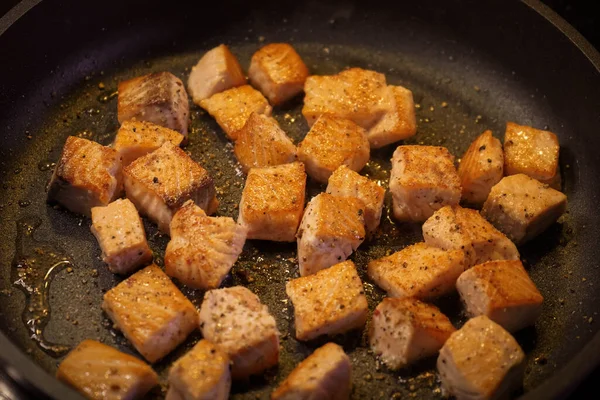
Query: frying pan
[472,66]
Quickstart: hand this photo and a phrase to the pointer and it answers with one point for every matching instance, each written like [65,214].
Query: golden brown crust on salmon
[398,123]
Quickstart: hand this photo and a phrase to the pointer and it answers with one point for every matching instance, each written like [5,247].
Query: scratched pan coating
[461,85]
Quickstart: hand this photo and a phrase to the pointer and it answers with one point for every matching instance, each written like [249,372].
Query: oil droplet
[46,165]
[34,266]
[106,97]
[24,203]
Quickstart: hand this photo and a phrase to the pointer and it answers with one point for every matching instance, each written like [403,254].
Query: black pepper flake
[155,179]
[482,148]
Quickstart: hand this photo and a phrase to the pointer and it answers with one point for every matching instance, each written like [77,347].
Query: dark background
[579,13]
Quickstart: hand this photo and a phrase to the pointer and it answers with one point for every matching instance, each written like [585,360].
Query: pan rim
[29,375]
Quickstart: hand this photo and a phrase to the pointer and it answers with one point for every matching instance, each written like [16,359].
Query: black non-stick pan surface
[471,65]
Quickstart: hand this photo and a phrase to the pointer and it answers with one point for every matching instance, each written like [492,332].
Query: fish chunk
[325,374]
[201,374]
[522,207]
[532,152]
[232,108]
[237,322]
[331,229]
[482,166]
[135,139]
[330,143]
[87,175]
[398,123]
[100,372]
[503,291]
[329,302]
[159,98]
[278,72]
[120,233]
[423,180]
[217,70]
[160,182]
[273,202]
[151,312]
[406,330]
[202,249]
[480,361]
[262,143]
[346,183]
[420,271]
[454,227]
[356,94]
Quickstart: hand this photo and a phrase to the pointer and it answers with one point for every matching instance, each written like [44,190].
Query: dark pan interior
[471,65]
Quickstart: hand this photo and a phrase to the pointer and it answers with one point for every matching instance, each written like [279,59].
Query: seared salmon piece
[357,94]
[121,236]
[87,175]
[330,143]
[278,72]
[325,374]
[480,361]
[160,182]
[420,271]
[202,249]
[532,152]
[262,143]
[423,180]
[346,183]
[273,202]
[201,374]
[406,330]
[398,123]
[151,312]
[523,207]
[232,108]
[503,291]
[159,98]
[329,302]
[331,229]
[217,70]
[454,227]
[481,167]
[135,139]
[100,372]
[241,326]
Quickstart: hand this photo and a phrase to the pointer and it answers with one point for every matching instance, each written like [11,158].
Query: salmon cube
[278,72]
[325,374]
[329,302]
[465,229]
[151,312]
[160,182]
[503,291]
[135,139]
[356,94]
[346,183]
[273,202]
[480,361]
[523,207]
[120,233]
[159,98]
[87,175]
[407,330]
[420,271]
[232,108]
[423,180]
[398,123]
[99,372]
[482,166]
[202,249]
[237,322]
[217,70]
[202,373]
[262,143]
[331,229]
[330,143]
[532,152]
